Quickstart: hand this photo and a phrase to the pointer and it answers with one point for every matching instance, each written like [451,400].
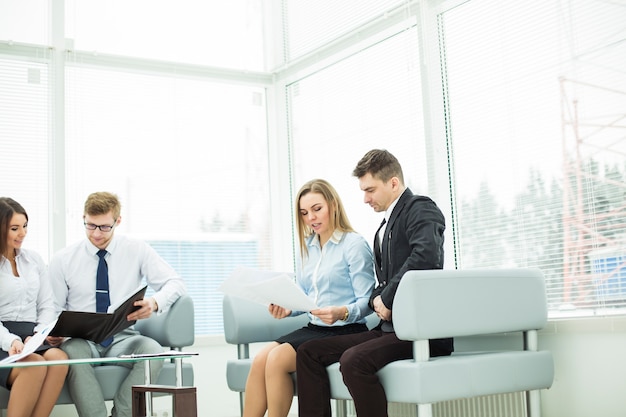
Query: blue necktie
[102,289]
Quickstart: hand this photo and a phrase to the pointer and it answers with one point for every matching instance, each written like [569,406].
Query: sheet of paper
[31,345]
[266,288]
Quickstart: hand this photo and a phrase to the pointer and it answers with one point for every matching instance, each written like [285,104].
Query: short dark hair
[381,164]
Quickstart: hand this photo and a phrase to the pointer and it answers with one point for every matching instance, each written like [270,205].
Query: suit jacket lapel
[378,253]
[388,234]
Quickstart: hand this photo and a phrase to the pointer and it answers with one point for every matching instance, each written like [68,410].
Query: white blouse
[27,297]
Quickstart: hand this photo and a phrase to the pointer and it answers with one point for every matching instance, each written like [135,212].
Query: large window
[370,99]
[206,117]
[537,114]
[187,158]
[184,146]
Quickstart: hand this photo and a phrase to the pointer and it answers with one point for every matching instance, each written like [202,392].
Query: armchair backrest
[433,304]
[249,322]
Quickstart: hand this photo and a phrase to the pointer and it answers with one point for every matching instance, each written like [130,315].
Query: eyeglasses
[102,227]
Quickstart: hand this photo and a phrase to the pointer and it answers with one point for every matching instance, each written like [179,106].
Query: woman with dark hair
[336,269]
[26,304]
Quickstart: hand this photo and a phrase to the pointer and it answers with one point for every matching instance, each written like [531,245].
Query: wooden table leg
[184,399]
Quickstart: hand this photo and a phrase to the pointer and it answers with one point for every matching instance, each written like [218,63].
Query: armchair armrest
[175,328]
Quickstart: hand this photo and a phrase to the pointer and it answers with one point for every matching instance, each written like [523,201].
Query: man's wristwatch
[345,317]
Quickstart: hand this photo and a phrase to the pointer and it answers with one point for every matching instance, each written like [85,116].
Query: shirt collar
[334,238]
[110,247]
[18,254]
[390,208]
[21,254]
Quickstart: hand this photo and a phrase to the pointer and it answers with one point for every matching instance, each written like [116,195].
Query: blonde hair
[337,213]
[102,202]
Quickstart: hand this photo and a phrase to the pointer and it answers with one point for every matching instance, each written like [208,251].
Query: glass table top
[172,354]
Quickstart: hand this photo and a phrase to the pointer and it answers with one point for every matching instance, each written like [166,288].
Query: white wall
[590,367]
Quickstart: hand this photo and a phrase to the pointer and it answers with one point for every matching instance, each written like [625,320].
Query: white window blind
[24,136]
[537,99]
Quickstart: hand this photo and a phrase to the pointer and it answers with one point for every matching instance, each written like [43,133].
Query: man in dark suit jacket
[412,238]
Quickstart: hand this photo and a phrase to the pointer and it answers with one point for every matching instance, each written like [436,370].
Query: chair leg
[341,407]
[241,399]
[533,403]
[424,410]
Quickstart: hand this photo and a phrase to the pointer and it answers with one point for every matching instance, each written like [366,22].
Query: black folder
[97,326]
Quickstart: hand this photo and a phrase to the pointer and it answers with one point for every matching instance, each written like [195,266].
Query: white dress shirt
[131,262]
[27,297]
[381,232]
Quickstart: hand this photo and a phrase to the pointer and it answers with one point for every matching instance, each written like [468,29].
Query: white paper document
[31,345]
[267,288]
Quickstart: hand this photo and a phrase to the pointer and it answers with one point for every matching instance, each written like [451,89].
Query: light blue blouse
[340,273]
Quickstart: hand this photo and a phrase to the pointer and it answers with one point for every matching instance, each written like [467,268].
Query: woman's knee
[281,359]
[33,374]
[33,357]
[258,363]
[55,354]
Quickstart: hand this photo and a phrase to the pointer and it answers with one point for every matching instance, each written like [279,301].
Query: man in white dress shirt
[73,271]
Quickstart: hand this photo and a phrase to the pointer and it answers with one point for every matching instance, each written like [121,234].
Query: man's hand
[278,312]
[381,310]
[147,306]
[55,341]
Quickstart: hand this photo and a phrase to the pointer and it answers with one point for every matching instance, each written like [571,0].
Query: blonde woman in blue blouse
[336,270]
[26,305]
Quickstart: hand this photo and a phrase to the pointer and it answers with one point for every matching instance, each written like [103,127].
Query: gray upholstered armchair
[468,305]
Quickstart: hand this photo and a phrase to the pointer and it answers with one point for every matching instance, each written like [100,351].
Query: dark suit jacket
[413,240]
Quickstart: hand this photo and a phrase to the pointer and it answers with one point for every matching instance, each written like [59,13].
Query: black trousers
[360,356]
